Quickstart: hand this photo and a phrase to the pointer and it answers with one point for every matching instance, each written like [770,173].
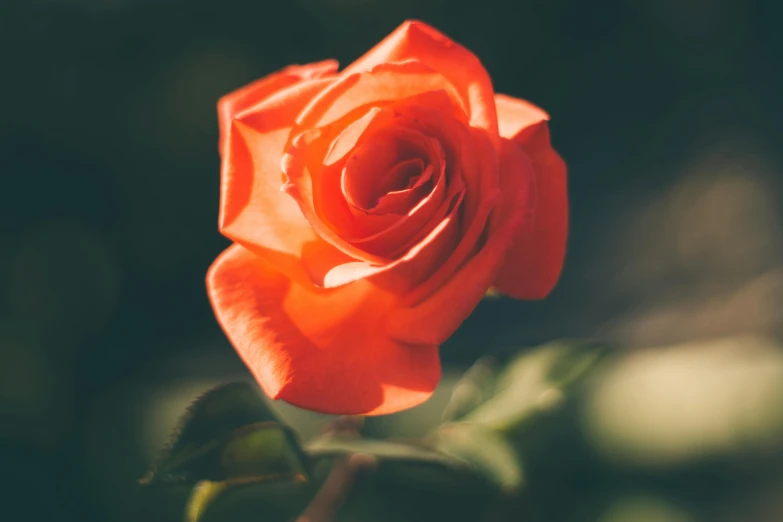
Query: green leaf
[203,495]
[456,450]
[261,452]
[486,452]
[330,447]
[537,382]
[223,423]
[476,386]
[416,463]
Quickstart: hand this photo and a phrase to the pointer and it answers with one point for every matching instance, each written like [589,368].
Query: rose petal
[383,84]
[241,99]
[515,115]
[254,211]
[428,114]
[400,201]
[535,259]
[317,183]
[437,116]
[418,263]
[418,41]
[482,195]
[411,228]
[402,274]
[368,172]
[318,349]
[420,217]
[319,196]
[434,319]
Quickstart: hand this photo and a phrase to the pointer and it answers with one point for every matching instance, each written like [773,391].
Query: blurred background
[668,113]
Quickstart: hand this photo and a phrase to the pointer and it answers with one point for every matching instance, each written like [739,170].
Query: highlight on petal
[535,259]
[254,211]
[435,318]
[414,40]
[382,84]
[245,97]
[318,349]
[516,115]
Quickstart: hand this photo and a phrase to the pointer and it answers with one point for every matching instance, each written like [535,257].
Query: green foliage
[533,382]
[228,434]
[476,386]
[332,446]
[511,430]
[261,452]
[488,453]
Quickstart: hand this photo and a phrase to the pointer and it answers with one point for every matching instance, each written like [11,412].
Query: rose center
[388,176]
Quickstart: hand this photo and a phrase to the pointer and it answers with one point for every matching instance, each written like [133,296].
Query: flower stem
[336,488]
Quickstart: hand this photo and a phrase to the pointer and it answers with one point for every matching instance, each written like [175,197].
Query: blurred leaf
[203,494]
[476,386]
[229,432]
[535,382]
[645,508]
[329,447]
[670,406]
[487,453]
[457,455]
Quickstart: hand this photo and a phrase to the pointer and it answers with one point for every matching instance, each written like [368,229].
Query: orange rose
[371,210]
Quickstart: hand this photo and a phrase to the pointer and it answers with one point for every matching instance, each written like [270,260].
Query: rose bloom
[371,210]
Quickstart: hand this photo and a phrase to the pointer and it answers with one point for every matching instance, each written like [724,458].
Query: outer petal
[515,115]
[383,84]
[241,99]
[318,349]
[254,211]
[418,41]
[535,259]
[434,319]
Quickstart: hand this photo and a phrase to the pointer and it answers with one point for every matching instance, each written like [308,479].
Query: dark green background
[669,114]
